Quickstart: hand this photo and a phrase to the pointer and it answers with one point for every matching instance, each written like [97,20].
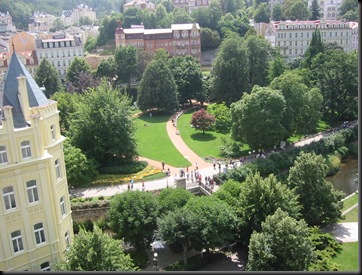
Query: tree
[170,199]
[77,66]
[229,192]
[202,120]
[130,17]
[79,168]
[102,126]
[262,197]
[210,39]
[234,24]
[157,88]
[133,216]
[338,85]
[181,16]
[90,44]
[107,68]
[277,66]
[48,77]
[316,46]
[348,10]
[126,64]
[295,10]
[188,77]
[295,93]
[258,56]
[314,10]
[262,13]
[108,27]
[277,13]
[257,118]
[222,116]
[321,203]
[230,72]
[95,251]
[283,244]
[58,25]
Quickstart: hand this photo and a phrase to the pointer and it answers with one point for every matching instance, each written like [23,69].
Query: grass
[348,257]
[204,145]
[153,140]
[350,202]
[351,216]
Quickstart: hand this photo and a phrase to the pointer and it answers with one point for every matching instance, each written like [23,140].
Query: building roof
[184,26]
[9,96]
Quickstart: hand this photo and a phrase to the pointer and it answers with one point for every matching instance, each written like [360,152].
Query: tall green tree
[257,118]
[282,244]
[102,126]
[107,28]
[258,56]
[348,10]
[314,10]
[133,216]
[277,12]
[316,46]
[262,197]
[181,16]
[107,68]
[230,72]
[126,64]
[262,13]
[320,201]
[298,106]
[48,77]
[277,66]
[222,116]
[78,66]
[296,10]
[336,75]
[157,88]
[210,39]
[90,44]
[95,251]
[170,199]
[188,77]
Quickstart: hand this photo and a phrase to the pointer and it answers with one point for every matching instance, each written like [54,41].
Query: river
[345,179]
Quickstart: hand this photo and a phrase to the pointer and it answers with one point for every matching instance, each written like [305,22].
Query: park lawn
[350,202]
[348,257]
[154,142]
[351,216]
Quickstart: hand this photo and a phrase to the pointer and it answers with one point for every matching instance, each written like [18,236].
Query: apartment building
[6,23]
[140,4]
[179,40]
[41,22]
[329,9]
[36,226]
[71,17]
[191,5]
[293,37]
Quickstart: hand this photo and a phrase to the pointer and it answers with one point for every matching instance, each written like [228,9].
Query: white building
[293,37]
[41,22]
[6,23]
[329,9]
[71,17]
[191,5]
[60,50]
[140,4]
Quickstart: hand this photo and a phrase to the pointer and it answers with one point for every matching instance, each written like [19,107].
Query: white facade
[41,22]
[328,8]
[293,37]
[60,50]
[6,23]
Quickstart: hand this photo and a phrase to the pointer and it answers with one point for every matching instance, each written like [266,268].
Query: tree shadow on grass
[203,136]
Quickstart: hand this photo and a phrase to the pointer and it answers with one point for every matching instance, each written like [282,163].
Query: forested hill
[21,10]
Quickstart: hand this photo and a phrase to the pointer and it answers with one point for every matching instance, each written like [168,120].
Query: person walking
[163,166]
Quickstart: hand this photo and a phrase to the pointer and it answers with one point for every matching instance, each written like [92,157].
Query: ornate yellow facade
[35,215]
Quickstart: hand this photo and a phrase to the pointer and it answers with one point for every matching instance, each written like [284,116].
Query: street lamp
[155,260]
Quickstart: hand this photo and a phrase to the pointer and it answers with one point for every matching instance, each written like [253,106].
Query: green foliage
[314,10]
[230,148]
[222,116]
[277,67]
[260,197]
[316,46]
[282,244]
[47,76]
[262,13]
[133,217]
[202,120]
[107,68]
[170,199]
[296,10]
[95,251]
[258,118]
[333,164]
[78,65]
[348,10]
[108,27]
[99,111]
[157,88]
[321,202]
[90,44]
[80,169]
[125,59]
[210,39]
[126,168]
[229,192]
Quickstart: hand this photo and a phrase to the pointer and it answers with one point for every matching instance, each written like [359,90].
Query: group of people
[174,120]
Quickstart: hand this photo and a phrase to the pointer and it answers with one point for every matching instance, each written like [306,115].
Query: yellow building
[35,215]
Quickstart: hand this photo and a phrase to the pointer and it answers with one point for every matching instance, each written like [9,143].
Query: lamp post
[155,260]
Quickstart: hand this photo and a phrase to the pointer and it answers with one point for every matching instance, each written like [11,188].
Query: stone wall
[93,213]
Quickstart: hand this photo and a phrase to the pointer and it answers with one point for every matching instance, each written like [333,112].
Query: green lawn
[351,216]
[204,145]
[348,257]
[350,202]
[154,143]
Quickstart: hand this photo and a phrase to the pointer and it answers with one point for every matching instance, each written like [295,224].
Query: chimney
[23,96]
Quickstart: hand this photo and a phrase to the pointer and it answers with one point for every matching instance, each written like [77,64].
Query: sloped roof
[9,96]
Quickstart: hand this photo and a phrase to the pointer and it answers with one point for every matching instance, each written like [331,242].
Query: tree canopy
[202,120]
[47,76]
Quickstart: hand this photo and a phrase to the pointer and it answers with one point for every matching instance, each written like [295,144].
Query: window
[67,239]
[62,206]
[39,233]
[3,155]
[45,266]
[57,169]
[32,190]
[52,131]
[9,198]
[290,43]
[25,149]
[290,35]
[17,241]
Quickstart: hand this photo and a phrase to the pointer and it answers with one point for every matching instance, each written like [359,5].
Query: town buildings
[6,23]
[294,37]
[35,215]
[191,5]
[329,9]
[179,40]
[140,4]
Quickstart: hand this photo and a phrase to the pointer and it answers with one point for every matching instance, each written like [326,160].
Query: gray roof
[9,96]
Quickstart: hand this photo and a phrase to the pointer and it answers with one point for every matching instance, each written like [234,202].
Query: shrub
[265,166]
[334,163]
[230,148]
[139,257]
[129,168]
